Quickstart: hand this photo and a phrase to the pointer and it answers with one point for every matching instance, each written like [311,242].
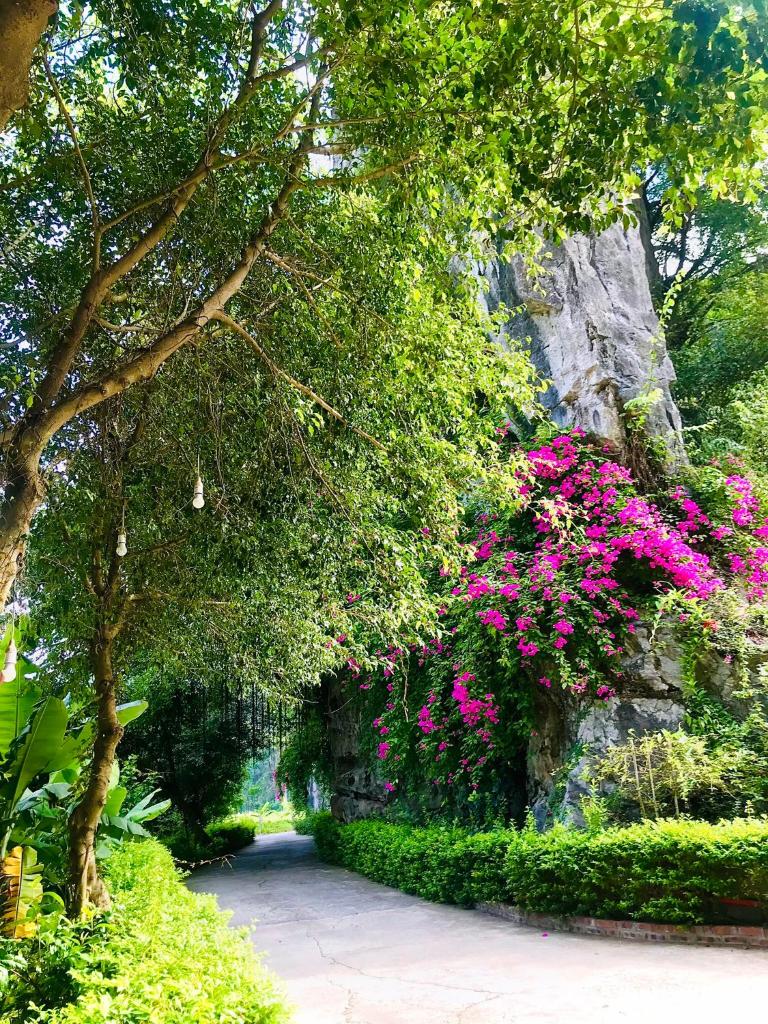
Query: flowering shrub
[547,597]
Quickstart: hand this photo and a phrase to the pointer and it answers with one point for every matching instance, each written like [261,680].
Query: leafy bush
[448,865]
[661,771]
[304,823]
[238,830]
[163,954]
[229,835]
[266,822]
[671,871]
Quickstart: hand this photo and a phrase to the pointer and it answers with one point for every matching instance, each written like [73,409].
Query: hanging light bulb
[197,499]
[122,548]
[9,668]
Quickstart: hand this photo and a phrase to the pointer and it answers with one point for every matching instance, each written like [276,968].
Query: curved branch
[238,328]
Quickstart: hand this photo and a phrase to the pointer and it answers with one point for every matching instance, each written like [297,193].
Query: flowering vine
[547,597]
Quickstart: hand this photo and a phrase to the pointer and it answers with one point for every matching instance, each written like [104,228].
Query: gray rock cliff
[591,330]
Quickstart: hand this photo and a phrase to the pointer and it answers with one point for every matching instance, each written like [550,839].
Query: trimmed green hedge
[163,954]
[667,871]
[265,824]
[239,830]
[229,835]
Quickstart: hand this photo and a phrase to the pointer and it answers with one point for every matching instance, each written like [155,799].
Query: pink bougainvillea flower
[490,617]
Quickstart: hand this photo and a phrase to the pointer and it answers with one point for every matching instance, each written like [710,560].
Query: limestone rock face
[356,790]
[592,331]
[568,733]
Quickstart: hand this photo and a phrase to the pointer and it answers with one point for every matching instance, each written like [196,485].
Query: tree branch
[339,180]
[224,318]
[87,184]
[146,363]
[259,36]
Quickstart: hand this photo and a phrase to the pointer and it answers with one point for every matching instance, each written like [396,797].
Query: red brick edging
[753,937]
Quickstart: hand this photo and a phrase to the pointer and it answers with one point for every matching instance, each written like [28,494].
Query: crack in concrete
[389,978]
[460,1017]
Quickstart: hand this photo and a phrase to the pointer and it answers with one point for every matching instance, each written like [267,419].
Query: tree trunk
[22,23]
[24,492]
[85,884]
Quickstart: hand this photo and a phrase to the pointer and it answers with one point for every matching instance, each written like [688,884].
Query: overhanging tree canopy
[165,176]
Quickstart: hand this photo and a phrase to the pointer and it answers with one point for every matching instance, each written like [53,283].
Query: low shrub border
[161,954]
[239,830]
[667,872]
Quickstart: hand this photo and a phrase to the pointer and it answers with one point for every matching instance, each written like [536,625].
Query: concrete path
[354,952]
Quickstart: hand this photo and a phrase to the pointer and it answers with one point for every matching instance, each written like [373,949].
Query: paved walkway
[354,952]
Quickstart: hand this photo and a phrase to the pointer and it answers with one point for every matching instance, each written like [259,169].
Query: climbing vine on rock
[548,597]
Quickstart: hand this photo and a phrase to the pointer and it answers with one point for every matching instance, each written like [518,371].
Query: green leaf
[128,712]
[23,891]
[35,748]
[115,799]
[17,698]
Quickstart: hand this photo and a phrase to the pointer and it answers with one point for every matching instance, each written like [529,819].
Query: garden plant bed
[747,936]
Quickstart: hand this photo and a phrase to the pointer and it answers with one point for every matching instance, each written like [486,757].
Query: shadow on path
[351,951]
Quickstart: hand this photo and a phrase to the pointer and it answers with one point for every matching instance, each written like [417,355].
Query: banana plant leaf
[36,747]
[115,799]
[17,698]
[145,810]
[22,892]
[131,822]
[76,744]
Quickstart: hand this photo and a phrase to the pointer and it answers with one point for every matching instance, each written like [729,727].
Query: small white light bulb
[122,548]
[9,668]
[198,500]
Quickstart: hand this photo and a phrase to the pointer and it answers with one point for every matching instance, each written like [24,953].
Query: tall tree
[308,525]
[168,173]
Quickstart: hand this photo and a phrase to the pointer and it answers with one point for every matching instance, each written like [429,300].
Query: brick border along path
[744,936]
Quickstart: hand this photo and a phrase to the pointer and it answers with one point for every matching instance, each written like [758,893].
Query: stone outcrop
[569,733]
[589,323]
[356,792]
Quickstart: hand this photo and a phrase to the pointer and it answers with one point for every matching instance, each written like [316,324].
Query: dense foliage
[659,871]
[235,262]
[193,743]
[714,282]
[159,189]
[239,830]
[162,954]
[548,598]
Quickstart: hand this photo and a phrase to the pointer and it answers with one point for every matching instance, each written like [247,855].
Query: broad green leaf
[35,748]
[23,890]
[115,799]
[17,698]
[129,712]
